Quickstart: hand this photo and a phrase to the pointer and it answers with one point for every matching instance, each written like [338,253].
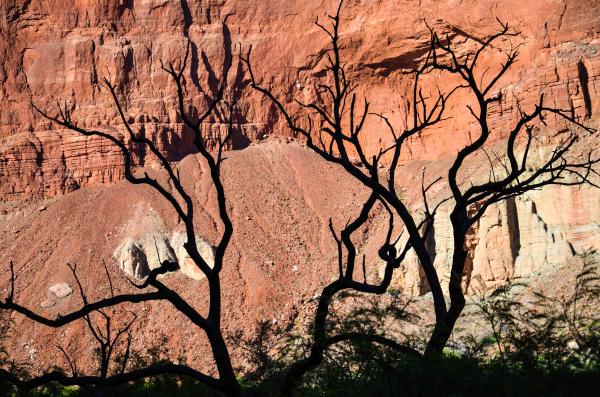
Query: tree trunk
[231,386]
[443,329]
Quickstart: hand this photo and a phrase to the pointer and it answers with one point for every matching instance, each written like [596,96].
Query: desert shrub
[549,332]
[547,345]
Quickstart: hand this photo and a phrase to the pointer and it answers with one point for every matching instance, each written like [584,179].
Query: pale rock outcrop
[511,240]
[158,250]
[61,290]
[496,244]
[186,264]
[138,257]
[575,212]
[541,245]
[147,244]
[132,259]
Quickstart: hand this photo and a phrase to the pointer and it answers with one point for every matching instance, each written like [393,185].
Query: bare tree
[332,124]
[152,289]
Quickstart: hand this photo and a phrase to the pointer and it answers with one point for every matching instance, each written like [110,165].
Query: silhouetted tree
[336,136]
[152,289]
[332,124]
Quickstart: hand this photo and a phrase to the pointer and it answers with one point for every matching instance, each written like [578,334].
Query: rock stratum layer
[61,49]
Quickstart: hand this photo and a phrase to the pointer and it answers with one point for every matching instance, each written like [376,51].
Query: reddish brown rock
[62,49]
[281,195]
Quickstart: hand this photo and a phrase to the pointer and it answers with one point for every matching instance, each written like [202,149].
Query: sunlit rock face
[186,264]
[516,238]
[63,49]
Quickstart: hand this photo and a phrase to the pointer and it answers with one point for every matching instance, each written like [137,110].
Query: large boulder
[137,257]
[186,264]
[132,259]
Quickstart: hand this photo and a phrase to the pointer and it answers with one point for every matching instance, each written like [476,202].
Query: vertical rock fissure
[584,81]
[514,230]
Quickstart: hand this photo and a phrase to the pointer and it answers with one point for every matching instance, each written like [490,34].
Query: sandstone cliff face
[61,49]
[520,237]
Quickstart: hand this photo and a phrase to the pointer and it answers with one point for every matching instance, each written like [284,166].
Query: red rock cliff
[61,48]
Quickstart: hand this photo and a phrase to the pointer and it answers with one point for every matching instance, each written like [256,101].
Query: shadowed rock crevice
[584,80]
[513,227]
[187,17]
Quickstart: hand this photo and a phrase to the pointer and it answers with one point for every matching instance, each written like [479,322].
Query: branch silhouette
[181,202]
[332,124]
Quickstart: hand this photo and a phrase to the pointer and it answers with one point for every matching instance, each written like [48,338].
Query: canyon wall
[61,49]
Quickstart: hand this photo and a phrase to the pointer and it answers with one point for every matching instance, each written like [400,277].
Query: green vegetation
[548,346]
[451,375]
